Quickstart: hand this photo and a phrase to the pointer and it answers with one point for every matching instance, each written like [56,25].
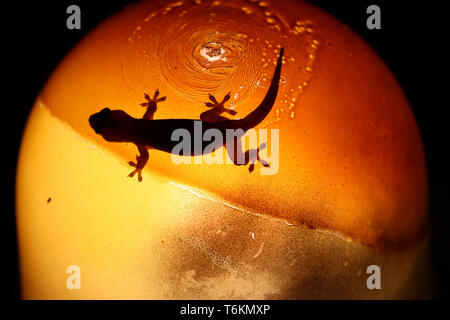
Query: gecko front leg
[217,108]
[141,161]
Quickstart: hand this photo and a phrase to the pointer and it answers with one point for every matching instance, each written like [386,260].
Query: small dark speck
[330,44]
[48,200]
[162,241]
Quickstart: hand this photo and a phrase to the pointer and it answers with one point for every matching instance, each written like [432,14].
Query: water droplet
[210,66]
[247,10]
[150,16]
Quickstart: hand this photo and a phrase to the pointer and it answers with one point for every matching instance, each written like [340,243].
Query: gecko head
[99,120]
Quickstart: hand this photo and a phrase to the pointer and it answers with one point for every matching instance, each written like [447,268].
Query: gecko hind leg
[141,161]
[151,104]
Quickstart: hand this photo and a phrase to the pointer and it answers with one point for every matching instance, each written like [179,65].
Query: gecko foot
[151,104]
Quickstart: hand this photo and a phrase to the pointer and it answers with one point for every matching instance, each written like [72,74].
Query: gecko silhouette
[118,126]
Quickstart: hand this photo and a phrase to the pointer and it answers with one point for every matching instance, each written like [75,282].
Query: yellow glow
[96,217]
[351,151]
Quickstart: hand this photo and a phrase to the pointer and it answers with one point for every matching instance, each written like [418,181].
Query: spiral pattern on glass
[214,47]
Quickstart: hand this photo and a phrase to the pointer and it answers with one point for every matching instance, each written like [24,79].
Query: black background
[35,38]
